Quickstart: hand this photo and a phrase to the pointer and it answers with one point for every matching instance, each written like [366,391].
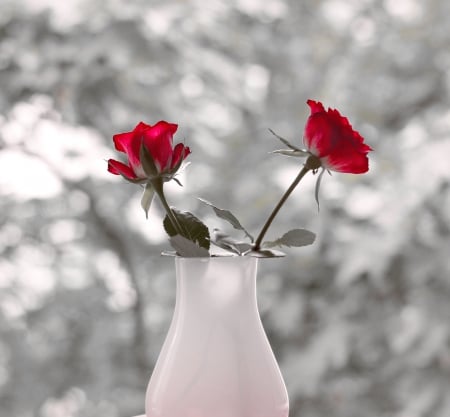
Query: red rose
[157,141]
[330,137]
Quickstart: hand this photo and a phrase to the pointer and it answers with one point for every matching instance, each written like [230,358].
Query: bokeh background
[359,321]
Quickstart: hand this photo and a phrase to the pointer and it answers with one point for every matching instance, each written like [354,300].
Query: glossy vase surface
[216,360]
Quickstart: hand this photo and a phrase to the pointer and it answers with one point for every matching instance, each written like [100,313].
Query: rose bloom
[158,141]
[330,137]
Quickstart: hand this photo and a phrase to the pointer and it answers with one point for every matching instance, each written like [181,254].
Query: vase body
[216,360]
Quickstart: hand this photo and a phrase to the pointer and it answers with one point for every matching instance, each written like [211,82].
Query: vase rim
[205,259]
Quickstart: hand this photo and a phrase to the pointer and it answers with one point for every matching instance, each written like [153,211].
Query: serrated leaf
[147,198]
[229,217]
[187,248]
[191,228]
[295,237]
[224,241]
[267,253]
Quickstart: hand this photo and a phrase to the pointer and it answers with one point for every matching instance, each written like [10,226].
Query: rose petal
[347,161]
[119,168]
[179,151]
[130,143]
[315,106]
[158,140]
[330,137]
[123,141]
[318,135]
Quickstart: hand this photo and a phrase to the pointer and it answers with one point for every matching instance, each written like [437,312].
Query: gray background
[359,321]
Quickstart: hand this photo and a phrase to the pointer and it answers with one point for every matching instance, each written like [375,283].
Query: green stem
[258,241]
[158,186]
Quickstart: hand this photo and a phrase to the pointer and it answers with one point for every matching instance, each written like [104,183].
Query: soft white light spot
[63,231]
[75,152]
[69,405]
[10,308]
[192,86]
[13,133]
[116,279]
[256,82]
[284,177]
[414,134]
[339,12]
[363,203]
[23,118]
[150,228]
[363,30]
[158,21]
[272,9]
[64,14]
[39,280]
[219,117]
[7,273]
[276,9]
[407,10]
[25,177]
[37,283]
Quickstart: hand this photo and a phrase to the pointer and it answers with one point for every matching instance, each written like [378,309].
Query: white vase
[216,360]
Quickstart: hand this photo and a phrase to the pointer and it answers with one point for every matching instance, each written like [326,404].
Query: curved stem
[158,186]
[258,241]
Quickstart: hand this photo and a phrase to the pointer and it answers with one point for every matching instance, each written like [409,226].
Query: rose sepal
[292,151]
[147,162]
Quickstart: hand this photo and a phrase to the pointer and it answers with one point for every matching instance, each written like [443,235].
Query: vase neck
[225,282]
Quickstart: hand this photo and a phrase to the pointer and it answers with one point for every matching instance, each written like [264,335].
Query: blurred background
[359,321]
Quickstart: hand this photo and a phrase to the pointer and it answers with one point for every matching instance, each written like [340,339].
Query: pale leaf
[147,198]
[295,237]
[187,248]
[228,216]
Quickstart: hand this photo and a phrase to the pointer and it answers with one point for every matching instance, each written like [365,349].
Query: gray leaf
[187,248]
[224,241]
[228,216]
[191,228]
[267,253]
[295,237]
